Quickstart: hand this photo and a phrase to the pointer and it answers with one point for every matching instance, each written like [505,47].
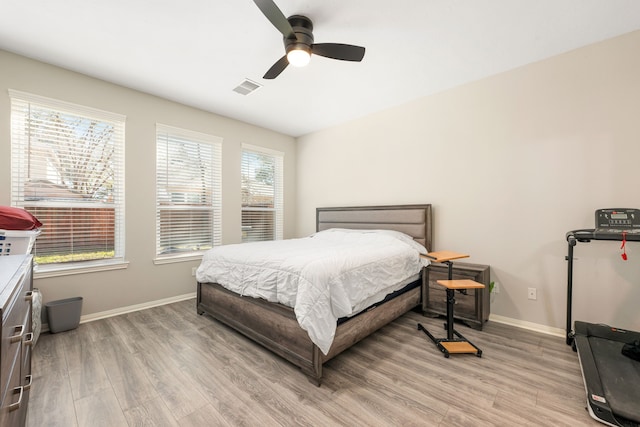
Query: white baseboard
[536,327]
[136,307]
[129,309]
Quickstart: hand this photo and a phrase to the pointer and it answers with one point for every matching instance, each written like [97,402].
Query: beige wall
[510,163]
[142,281]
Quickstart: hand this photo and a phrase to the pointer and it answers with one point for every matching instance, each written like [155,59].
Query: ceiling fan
[297,31]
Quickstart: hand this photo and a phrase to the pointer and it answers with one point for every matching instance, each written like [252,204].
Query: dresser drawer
[25,356]
[14,333]
[14,398]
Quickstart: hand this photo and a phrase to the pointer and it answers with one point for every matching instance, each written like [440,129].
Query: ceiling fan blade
[276,17]
[343,52]
[276,68]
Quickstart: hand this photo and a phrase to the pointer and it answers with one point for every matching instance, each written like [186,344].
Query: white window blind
[68,171]
[262,194]
[189,186]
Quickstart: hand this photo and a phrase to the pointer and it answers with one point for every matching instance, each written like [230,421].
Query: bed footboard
[275,327]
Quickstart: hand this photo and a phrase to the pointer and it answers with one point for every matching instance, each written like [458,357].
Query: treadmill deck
[612,380]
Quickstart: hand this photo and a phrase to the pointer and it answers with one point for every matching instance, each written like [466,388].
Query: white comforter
[326,276]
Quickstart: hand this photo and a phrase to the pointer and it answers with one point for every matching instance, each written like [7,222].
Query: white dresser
[16,284]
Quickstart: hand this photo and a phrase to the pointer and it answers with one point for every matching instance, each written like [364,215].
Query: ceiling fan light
[298,57]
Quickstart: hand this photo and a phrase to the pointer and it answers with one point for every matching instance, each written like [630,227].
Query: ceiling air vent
[246,87]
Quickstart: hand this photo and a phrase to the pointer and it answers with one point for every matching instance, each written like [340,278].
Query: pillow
[17,219]
[395,234]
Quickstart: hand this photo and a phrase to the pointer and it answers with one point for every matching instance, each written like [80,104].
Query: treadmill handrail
[584,235]
[588,234]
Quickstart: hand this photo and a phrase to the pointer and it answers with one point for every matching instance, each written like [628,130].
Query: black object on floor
[632,350]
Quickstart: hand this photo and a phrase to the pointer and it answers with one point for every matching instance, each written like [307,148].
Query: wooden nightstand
[473,306]
[451,344]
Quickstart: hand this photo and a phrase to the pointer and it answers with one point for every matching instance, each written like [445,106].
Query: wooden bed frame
[275,327]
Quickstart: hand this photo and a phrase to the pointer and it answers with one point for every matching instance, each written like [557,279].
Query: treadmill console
[611,224]
[618,220]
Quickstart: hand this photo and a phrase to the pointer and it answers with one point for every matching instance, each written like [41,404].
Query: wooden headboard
[414,220]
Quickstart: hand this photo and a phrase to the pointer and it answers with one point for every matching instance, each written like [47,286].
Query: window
[188,192]
[262,207]
[68,171]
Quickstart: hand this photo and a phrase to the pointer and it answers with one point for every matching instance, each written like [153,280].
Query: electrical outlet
[496,287]
[532,293]
[193,271]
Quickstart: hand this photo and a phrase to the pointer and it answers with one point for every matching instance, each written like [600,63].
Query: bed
[275,326]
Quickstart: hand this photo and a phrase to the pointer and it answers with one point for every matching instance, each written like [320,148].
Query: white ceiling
[196,51]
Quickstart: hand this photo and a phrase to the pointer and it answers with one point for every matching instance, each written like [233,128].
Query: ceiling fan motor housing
[303,30]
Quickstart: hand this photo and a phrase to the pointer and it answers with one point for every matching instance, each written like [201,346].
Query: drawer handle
[29,379]
[28,339]
[16,405]
[28,296]
[18,336]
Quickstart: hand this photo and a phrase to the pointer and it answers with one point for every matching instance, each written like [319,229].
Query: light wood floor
[167,366]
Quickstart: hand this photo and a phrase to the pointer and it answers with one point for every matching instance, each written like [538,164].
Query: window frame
[278,190]
[216,144]
[20,156]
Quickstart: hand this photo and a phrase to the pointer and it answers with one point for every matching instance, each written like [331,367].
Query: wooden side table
[473,306]
[454,342]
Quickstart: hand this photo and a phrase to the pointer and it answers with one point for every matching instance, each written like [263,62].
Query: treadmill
[611,379]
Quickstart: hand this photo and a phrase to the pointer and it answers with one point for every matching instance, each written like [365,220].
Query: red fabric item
[17,219]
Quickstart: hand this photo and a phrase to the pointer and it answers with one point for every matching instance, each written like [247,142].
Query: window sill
[178,258]
[42,272]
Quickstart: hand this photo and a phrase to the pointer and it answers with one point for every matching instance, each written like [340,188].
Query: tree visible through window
[262,207]
[67,164]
